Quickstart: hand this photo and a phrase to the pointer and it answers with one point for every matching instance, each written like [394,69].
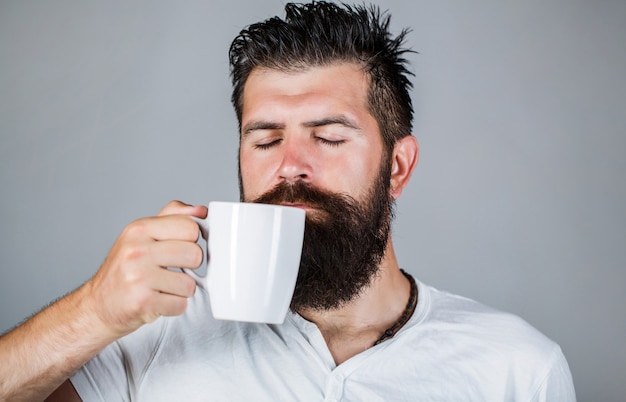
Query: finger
[169,305]
[170,227]
[173,283]
[162,304]
[176,253]
[180,208]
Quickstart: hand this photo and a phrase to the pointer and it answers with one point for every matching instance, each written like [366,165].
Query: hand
[133,286]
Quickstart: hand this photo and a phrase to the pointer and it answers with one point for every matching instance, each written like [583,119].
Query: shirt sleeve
[103,378]
[558,384]
[116,373]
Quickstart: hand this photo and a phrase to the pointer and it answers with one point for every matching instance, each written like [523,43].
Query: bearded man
[322,99]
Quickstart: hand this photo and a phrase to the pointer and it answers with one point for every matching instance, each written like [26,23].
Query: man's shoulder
[491,354]
[472,321]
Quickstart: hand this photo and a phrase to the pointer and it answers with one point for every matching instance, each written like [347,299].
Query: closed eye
[330,143]
[267,145]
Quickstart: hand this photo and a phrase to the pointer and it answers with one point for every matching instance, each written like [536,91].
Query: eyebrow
[261,125]
[326,121]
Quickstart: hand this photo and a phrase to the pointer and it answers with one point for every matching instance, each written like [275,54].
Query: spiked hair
[321,34]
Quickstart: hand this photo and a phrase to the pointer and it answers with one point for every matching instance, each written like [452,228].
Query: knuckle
[134,251]
[171,207]
[173,204]
[136,229]
[132,278]
[138,306]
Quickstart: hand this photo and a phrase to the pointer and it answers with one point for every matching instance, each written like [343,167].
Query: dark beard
[344,241]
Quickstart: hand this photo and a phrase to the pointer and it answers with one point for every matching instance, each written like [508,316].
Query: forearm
[130,289]
[47,349]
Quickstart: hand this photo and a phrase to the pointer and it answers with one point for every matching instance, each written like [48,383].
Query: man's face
[312,126]
[308,140]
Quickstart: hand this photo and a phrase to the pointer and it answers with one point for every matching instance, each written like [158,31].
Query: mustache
[304,193]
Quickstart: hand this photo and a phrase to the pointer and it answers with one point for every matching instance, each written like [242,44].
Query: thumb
[180,208]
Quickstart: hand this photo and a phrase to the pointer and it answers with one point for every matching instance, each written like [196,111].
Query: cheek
[353,175]
[253,172]
[244,173]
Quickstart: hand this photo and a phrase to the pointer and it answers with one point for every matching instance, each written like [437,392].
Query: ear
[403,161]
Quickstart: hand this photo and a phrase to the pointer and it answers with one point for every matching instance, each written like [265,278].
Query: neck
[355,326]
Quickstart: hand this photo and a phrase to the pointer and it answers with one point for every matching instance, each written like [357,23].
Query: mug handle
[203,240]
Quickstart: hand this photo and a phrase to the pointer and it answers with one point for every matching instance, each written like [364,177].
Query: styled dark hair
[322,33]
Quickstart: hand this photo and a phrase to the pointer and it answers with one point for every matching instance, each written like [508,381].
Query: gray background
[110,109]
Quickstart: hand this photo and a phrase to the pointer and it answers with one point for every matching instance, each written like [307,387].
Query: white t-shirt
[452,349]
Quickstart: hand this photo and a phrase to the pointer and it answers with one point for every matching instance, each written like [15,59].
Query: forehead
[337,85]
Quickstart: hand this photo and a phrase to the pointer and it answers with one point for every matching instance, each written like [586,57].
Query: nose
[296,162]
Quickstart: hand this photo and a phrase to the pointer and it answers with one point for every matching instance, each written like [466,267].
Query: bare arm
[130,289]
[42,353]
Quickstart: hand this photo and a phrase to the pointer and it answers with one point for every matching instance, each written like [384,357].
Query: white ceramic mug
[252,260]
